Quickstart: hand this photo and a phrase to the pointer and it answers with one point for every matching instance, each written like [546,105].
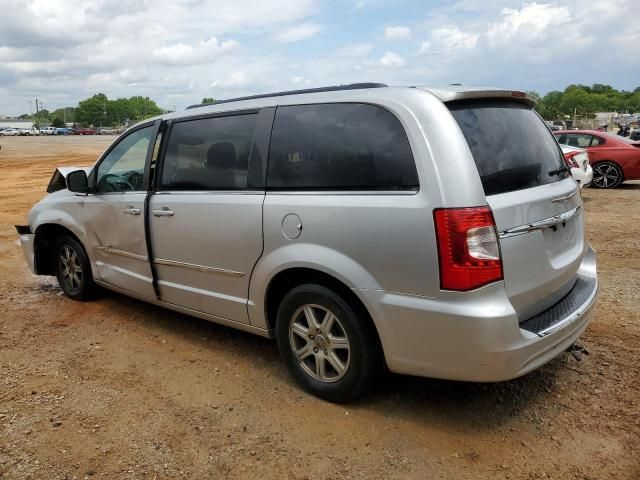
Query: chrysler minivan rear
[517,276]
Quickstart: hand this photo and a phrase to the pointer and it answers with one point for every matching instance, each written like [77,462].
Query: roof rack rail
[334,88]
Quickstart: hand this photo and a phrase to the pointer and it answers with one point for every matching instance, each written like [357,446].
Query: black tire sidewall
[86,285]
[363,349]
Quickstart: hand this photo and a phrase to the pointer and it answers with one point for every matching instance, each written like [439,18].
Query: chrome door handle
[165,212]
[131,211]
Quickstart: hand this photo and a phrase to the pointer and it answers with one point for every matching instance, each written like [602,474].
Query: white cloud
[398,32]
[391,59]
[451,37]
[529,23]
[175,50]
[298,32]
[204,52]
[235,80]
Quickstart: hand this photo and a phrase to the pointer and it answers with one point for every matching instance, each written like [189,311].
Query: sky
[179,51]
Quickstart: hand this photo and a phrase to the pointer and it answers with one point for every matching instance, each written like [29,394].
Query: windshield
[512,147]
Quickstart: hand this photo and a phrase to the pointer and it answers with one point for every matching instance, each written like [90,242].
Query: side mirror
[77,181]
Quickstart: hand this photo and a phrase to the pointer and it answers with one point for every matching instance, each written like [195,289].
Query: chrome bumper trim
[541,224]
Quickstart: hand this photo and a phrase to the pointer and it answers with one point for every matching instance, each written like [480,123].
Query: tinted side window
[339,147]
[209,154]
[562,139]
[580,140]
[597,141]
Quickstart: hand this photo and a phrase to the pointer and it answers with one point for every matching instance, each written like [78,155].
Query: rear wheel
[328,349]
[73,269]
[606,175]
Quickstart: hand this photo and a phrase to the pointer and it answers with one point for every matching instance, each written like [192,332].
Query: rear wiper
[558,171]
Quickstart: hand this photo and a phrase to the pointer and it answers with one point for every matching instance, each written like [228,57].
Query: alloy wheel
[606,175]
[70,268]
[320,343]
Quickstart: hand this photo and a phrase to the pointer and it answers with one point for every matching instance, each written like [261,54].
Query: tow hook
[577,351]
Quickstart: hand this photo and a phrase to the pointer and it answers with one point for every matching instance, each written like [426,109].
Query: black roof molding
[334,88]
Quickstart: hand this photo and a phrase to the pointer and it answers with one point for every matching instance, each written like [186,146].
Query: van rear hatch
[536,205]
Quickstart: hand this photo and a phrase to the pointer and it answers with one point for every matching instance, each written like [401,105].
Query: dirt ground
[119,389]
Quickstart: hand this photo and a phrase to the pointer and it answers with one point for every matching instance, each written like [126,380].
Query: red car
[83,131]
[614,159]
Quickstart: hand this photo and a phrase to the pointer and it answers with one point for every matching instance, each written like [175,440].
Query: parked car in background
[48,131]
[614,159]
[335,221]
[29,132]
[63,131]
[106,131]
[577,160]
[83,131]
[10,132]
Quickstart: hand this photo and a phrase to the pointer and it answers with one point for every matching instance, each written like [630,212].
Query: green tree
[98,110]
[57,122]
[93,110]
[67,114]
[208,100]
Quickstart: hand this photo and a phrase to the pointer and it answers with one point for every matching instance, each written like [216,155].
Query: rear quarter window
[512,147]
[339,147]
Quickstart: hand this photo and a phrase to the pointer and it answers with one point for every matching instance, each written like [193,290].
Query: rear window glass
[512,147]
[339,147]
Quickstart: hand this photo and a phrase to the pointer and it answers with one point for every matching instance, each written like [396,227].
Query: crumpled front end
[27,239]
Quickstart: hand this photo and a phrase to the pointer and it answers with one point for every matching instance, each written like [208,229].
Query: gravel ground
[118,389]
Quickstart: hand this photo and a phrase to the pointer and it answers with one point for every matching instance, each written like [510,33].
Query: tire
[606,175]
[77,284]
[340,361]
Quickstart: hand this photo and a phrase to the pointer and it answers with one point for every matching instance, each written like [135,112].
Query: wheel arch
[289,278]
[45,237]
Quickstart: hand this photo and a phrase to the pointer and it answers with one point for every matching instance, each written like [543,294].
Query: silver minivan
[431,232]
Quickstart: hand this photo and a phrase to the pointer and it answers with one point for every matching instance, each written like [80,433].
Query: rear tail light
[569,159]
[468,250]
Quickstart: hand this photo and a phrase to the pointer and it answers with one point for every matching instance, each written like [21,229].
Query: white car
[10,132]
[48,131]
[29,131]
[578,161]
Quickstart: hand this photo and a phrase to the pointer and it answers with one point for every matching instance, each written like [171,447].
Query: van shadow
[468,406]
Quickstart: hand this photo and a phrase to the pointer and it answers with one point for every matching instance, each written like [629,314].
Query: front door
[205,220]
[114,214]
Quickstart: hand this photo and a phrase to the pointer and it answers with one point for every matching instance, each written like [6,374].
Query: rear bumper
[584,178]
[26,242]
[473,336]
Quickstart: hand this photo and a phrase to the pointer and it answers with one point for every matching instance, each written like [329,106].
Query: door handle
[131,211]
[165,212]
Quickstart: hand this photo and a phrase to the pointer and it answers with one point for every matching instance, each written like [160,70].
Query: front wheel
[329,350]
[606,175]
[73,269]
